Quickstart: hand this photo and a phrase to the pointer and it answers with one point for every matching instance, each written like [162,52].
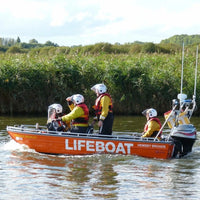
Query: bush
[15,49]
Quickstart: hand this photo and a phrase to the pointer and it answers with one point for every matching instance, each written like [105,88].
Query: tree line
[170,46]
[184,38]
[11,45]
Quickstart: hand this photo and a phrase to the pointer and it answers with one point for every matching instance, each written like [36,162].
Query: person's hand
[68,98]
[59,119]
[100,123]
[142,134]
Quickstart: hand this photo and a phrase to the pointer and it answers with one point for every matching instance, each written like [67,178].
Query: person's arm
[71,106]
[75,113]
[70,103]
[105,102]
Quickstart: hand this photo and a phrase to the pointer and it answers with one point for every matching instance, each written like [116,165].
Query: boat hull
[84,144]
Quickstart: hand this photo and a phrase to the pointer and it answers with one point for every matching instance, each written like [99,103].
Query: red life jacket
[84,118]
[155,132]
[98,107]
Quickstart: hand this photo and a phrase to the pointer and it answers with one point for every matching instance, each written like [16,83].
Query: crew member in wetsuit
[79,115]
[103,109]
[153,124]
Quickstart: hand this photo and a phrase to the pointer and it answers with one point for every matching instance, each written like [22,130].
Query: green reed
[30,82]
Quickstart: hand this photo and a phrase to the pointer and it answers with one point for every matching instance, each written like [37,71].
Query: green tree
[33,41]
[18,40]
[49,43]
[149,47]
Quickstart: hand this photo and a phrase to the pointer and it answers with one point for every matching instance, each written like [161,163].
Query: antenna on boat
[182,96]
[195,84]
[195,79]
[182,69]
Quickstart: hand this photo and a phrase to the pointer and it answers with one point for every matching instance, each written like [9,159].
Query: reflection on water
[75,174]
[26,174]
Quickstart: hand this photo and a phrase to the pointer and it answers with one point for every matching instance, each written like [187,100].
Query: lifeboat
[52,139]
[68,143]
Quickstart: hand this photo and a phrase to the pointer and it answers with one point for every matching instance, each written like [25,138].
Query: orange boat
[54,142]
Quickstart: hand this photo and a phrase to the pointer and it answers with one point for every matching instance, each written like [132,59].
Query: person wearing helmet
[55,111]
[153,124]
[103,109]
[79,115]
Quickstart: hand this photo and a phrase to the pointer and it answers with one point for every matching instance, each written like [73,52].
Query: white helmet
[57,107]
[101,88]
[152,112]
[77,98]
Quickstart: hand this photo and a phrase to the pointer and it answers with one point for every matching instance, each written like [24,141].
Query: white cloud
[70,22]
[22,9]
[59,16]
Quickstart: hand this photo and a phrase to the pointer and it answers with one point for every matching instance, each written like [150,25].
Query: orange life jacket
[84,118]
[98,107]
[155,132]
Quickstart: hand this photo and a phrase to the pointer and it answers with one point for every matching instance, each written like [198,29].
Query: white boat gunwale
[25,129]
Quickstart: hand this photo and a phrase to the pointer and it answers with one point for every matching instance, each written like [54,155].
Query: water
[28,175]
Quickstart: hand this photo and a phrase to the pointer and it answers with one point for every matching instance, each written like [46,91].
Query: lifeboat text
[98,146]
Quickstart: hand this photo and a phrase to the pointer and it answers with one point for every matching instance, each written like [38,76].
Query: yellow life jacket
[182,118]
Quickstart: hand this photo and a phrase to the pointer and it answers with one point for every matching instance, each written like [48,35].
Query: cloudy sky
[82,22]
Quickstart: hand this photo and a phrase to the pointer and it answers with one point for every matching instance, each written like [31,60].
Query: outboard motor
[184,136]
[183,133]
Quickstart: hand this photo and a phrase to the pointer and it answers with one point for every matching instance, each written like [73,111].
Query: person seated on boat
[79,115]
[153,124]
[103,109]
[54,112]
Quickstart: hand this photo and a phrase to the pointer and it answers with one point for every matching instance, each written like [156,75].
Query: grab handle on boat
[37,125]
[90,129]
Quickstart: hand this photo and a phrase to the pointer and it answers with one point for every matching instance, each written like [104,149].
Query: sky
[85,22]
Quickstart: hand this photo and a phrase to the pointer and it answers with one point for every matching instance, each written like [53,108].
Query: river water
[28,175]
